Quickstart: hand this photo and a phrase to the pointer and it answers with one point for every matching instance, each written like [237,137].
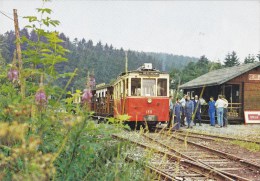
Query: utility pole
[126,63]
[19,52]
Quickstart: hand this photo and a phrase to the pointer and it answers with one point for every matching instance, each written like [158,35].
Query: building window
[148,87]
[135,87]
[162,87]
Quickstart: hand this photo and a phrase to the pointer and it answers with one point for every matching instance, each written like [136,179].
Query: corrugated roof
[220,76]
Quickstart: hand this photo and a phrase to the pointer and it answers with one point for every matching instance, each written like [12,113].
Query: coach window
[162,87]
[149,87]
[135,87]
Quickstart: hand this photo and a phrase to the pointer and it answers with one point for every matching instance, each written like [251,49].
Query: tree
[249,59]
[231,60]
[203,60]
[258,56]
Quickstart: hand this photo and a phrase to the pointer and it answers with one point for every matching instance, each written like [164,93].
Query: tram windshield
[162,87]
[149,87]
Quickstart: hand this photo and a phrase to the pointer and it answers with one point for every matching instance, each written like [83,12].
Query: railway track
[161,174]
[230,165]
[225,145]
[170,165]
[214,137]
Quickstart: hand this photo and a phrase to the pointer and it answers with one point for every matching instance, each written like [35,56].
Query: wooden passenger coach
[141,94]
[240,85]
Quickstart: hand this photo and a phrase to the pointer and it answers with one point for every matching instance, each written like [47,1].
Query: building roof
[220,76]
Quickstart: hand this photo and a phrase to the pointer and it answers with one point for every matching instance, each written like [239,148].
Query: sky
[189,28]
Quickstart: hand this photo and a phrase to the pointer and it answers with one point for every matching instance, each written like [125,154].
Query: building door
[232,93]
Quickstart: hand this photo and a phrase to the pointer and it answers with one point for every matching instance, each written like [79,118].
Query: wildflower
[13,74]
[41,98]
[86,97]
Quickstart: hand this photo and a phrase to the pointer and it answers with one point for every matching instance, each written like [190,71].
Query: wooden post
[19,52]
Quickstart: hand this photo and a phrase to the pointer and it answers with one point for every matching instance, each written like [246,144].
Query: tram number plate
[149,111]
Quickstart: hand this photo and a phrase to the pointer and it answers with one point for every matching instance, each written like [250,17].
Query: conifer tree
[249,59]
[231,60]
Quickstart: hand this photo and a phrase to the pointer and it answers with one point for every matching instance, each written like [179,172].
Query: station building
[240,85]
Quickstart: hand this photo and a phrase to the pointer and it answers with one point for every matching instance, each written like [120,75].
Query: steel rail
[227,155]
[192,165]
[219,137]
[235,177]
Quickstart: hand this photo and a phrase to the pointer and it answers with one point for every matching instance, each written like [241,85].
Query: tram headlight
[149,100]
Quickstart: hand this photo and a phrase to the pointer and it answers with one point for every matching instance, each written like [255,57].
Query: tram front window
[162,87]
[135,87]
[148,87]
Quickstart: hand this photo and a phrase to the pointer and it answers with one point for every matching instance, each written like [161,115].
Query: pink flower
[86,97]
[12,74]
[41,98]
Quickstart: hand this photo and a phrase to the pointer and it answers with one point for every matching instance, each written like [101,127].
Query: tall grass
[49,141]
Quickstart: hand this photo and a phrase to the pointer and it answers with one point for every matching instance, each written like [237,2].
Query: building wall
[249,89]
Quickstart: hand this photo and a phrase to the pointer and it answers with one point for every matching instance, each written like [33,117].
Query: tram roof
[219,76]
[142,71]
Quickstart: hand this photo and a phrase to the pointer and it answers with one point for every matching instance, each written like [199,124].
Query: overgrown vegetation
[247,145]
[40,136]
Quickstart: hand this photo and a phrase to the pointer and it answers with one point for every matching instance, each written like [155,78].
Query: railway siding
[191,170]
[197,155]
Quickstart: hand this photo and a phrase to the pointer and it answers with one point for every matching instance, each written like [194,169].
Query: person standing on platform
[220,104]
[225,111]
[183,102]
[197,110]
[189,109]
[170,112]
[212,111]
[177,109]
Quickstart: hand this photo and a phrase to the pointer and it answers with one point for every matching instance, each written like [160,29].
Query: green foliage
[192,71]
[57,141]
[231,60]
[106,61]
[250,146]
[258,57]
[249,59]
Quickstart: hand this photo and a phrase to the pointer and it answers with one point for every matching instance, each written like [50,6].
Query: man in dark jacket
[197,110]
[189,108]
[177,109]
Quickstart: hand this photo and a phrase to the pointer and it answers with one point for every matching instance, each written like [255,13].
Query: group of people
[220,106]
[191,110]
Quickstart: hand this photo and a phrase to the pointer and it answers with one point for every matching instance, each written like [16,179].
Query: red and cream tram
[141,94]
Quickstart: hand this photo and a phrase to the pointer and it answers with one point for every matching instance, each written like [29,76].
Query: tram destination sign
[252,117]
[254,76]
[149,73]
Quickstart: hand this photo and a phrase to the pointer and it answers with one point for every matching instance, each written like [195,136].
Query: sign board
[254,77]
[252,116]
[149,73]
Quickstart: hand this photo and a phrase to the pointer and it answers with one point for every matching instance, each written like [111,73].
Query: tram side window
[149,87]
[162,87]
[135,87]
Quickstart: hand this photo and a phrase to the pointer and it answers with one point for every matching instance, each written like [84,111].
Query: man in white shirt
[220,104]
